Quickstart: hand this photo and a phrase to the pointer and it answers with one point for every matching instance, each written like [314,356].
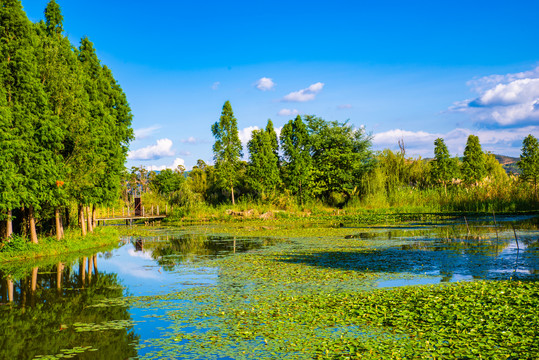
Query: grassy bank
[20,249]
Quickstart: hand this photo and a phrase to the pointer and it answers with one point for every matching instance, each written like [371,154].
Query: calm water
[54,308]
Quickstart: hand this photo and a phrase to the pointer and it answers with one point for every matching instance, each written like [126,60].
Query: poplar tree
[263,170]
[227,149]
[297,164]
[473,163]
[529,160]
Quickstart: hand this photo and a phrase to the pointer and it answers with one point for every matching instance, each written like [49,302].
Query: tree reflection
[41,307]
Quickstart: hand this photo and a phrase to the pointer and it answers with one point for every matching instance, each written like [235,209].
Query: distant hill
[509,163]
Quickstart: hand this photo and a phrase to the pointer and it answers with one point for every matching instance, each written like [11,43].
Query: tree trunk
[32,224]
[232,188]
[89,213]
[9,289]
[94,217]
[9,225]
[82,222]
[58,223]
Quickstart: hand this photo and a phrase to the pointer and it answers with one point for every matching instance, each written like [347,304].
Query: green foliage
[297,163]
[167,182]
[64,121]
[341,156]
[263,169]
[473,163]
[227,149]
[529,160]
[443,168]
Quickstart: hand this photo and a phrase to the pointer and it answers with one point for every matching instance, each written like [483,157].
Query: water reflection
[42,304]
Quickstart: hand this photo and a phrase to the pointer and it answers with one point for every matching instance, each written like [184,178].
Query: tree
[443,166]
[341,156]
[297,165]
[263,169]
[227,150]
[270,130]
[529,160]
[473,163]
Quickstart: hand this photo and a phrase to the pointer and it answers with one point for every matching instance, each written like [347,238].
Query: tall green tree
[443,167]
[341,156]
[529,160]
[297,162]
[227,149]
[263,169]
[33,124]
[473,163]
[270,130]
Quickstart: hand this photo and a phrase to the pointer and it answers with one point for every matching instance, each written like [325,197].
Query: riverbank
[20,249]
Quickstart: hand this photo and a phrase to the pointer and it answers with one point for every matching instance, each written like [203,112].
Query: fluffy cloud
[504,100]
[144,133]
[245,134]
[264,84]
[288,112]
[303,95]
[505,142]
[215,85]
[177,162]
[162,148]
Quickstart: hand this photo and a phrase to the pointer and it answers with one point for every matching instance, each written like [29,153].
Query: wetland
[444,288]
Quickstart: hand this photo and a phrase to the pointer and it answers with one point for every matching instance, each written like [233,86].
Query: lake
[209,291]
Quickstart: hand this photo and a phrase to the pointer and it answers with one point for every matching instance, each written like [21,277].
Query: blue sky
[415,70]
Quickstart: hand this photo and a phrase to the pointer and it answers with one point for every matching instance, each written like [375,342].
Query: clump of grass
[19,248]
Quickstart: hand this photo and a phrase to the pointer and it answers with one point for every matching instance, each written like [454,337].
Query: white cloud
[161,149]
[175,164]
[288,112]
[189,140]
[504,100]
[245,134]
[303,95]
[505,142]
[144,133]
[344,106]
[265,84]
[215,85]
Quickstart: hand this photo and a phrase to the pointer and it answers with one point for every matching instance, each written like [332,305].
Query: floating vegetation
[66,353]
[107,325]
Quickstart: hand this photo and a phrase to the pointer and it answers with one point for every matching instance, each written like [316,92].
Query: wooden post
[166,209]
[152,209]
[142,210]
[157,210]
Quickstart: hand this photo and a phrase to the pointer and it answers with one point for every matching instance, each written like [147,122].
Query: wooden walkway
[130,219]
